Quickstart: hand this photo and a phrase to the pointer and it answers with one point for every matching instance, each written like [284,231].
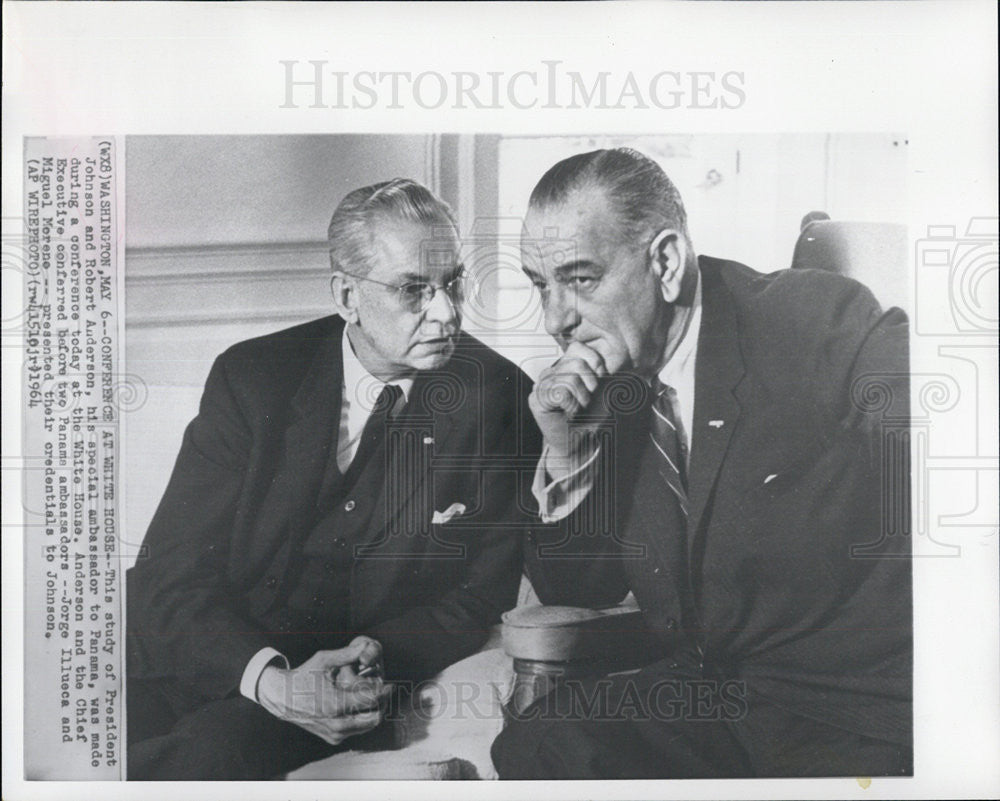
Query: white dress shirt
[359,391]
[556,499]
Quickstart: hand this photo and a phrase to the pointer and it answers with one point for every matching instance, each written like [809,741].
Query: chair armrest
[568,633]
[549,643]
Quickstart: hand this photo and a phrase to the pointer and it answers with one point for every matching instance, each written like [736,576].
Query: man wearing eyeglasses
[340,515]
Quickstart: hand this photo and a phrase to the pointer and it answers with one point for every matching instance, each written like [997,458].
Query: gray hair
[353,228]
[645,199]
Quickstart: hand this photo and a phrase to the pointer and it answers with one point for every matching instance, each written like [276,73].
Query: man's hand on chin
[325,695]
[564,391]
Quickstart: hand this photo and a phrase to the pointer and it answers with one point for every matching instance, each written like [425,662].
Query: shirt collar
[674,371]
[359,384]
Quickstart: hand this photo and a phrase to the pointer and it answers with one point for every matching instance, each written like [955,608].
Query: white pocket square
[454,510]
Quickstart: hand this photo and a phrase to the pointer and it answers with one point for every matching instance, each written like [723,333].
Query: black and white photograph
[672,475]
[604,407]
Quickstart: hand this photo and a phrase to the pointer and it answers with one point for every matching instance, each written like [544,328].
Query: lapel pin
[716,423]
[428,440]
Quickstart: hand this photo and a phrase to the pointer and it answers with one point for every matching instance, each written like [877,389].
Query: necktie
[374,431]
[665,436]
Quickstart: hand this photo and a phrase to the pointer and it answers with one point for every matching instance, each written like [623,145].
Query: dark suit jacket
[794,565]
[243,494]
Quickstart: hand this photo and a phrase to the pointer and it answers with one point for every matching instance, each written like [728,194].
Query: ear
[667,256]
[345,296]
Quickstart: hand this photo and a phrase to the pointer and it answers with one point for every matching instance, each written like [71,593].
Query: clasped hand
[325,695]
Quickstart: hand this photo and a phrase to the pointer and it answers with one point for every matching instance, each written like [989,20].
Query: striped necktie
[665,436]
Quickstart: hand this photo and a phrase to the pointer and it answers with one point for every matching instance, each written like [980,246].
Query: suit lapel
[718,370]
[313,430]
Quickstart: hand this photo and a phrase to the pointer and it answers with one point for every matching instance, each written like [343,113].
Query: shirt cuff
[560,497]
[256,665]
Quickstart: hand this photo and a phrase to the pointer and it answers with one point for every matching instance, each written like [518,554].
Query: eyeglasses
[416,296]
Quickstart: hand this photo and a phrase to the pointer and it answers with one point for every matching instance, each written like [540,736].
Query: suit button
[349,506]
[671,624]
[270,582]
[340,542]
